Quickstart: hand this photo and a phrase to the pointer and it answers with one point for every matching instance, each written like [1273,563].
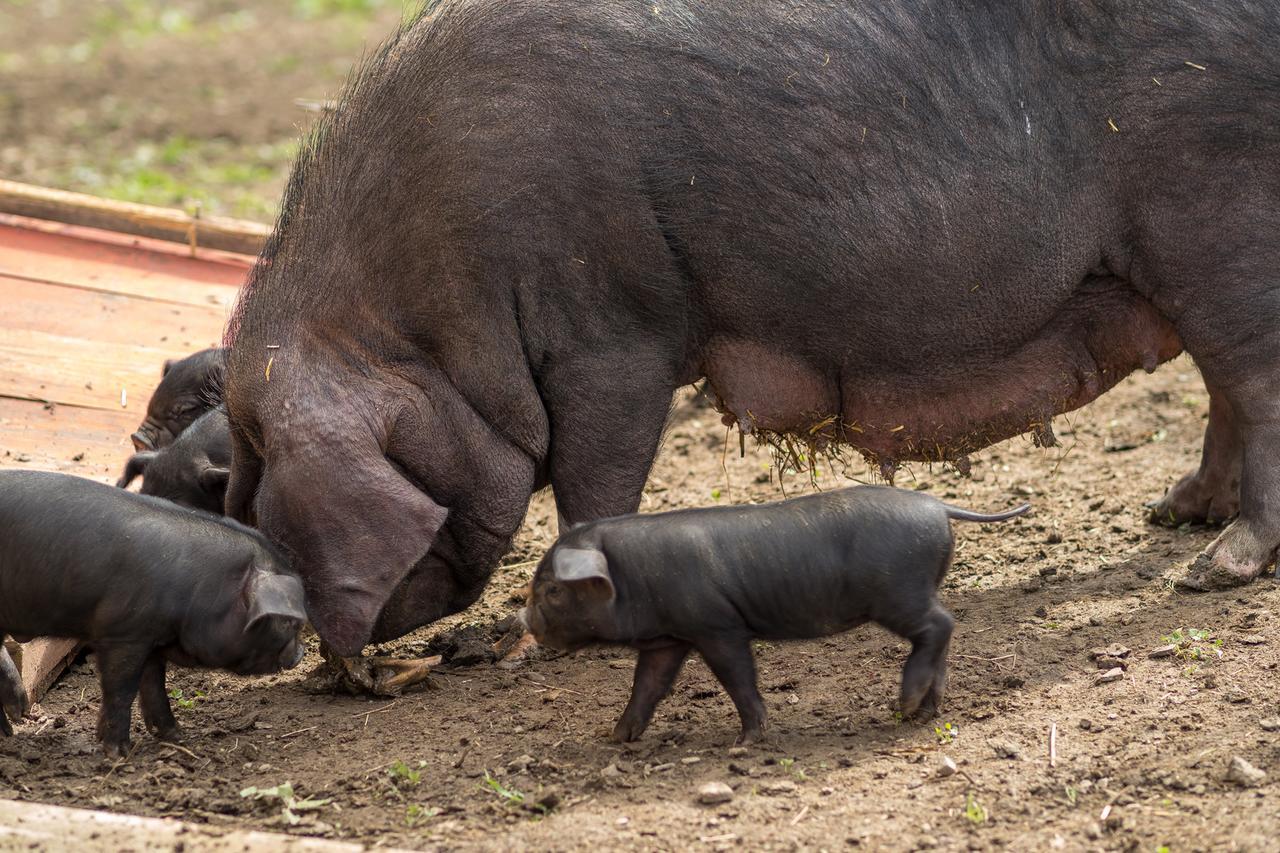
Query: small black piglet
[188,388]
[193,470]
[714,579]
[143,581]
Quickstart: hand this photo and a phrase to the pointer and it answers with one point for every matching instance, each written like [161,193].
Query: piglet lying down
[713,579]
[143,581]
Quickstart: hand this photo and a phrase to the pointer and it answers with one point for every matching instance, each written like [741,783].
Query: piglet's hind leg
[156,711]
[925,675]
[734,665]
[656,671]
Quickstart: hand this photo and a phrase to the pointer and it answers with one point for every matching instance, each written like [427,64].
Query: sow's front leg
[607,413]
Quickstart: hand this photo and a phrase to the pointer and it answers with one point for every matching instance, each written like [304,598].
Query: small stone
[1236,697]
[1270,724]
[1085,724]
[1163,651]
[714,794]
[793,699]
[1114,674]
[778,788]
[521,764]
[690,759]
[1042,612]
[946,766]
[738,751]
[1244,774]
[1253,639]
[1108,662]
[611,772]
[1007,749]
[1115,650]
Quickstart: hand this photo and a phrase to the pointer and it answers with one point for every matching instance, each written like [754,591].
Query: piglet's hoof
[117,751]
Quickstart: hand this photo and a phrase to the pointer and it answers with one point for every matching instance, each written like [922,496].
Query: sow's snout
[355,528]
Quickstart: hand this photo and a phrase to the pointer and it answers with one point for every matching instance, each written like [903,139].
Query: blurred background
[174,102]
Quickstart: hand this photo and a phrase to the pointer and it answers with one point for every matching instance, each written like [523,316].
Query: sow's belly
[966,395]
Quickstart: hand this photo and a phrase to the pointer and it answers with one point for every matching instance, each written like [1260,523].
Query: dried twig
[1053,745]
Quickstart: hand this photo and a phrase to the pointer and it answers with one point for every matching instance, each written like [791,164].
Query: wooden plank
[41,661]
[110,317]
[58,258]
[87,442]
[161,223]
[146,244]
[77,372]
[36,826]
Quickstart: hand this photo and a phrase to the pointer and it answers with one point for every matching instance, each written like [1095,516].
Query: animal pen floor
[492,759]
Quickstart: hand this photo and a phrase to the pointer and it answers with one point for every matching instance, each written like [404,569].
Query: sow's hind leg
[1229,327]
[1210,495]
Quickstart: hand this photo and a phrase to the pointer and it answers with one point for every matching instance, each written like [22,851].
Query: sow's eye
[554,591]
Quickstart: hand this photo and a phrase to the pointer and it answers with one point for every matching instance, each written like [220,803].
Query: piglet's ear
[214,480]
[583,566]
[273,596]
[168,365]
[135,467]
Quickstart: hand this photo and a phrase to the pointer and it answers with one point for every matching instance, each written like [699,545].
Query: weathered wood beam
[142,220]
[41,661]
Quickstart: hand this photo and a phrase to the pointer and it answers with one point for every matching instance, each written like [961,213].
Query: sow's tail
[966,515]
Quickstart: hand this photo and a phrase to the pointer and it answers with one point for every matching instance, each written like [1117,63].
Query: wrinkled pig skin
[193,471]
[143,582]
[188,388]
[930,225]
[712,580]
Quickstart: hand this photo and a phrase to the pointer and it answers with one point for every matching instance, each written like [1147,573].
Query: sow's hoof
[1234,559]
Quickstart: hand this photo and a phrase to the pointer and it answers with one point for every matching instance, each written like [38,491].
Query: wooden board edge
[37,826]
[143,220]
[41,661]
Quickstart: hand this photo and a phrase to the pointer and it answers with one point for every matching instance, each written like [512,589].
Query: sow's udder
[940,409]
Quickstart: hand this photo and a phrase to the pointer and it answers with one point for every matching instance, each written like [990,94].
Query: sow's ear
[585,568]
[168,365]
[273,596]
[135,467]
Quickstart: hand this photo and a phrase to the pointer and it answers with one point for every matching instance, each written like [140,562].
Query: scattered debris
[778,788]
[1109,676]
[1253,639]
[1005,748]
[1244,774]
[714,794]
[1270,724]
[946,766]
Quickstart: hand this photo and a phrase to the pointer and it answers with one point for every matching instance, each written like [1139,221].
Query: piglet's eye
[553,591]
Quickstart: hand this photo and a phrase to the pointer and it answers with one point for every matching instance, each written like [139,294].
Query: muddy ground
[492,759]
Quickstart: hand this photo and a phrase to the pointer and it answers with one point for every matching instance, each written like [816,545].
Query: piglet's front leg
[731,660]
[13,696]
[120,669]
[157,713]
[656,671]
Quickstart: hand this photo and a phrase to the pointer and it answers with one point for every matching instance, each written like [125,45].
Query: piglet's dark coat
[713,579]
[144,582]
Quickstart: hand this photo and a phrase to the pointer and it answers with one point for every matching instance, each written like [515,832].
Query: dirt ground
[492,759]
[185,102]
